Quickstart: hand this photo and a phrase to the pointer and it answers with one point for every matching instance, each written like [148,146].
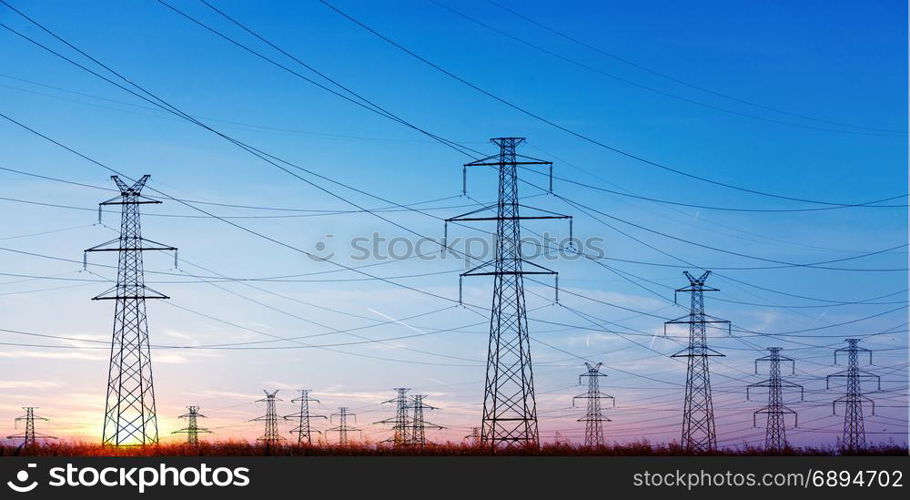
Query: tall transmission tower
[698,431]
[418,423]
[270,436]
[29,437]
[343,428]
[192,428]
[776,429]
[854,438]
[400,422]
[129,415]
[304,429]
[474,436]
[509,408]
[594,417]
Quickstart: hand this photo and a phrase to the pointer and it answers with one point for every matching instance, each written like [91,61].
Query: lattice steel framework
[343,428]
[401,424]
[474,436]
[854,438]
[29,436]
[698,431]
[129,416]
[594,417]
[419,424]
[776,428]
[270,435]
[304,429]
[192,428]
[509,409]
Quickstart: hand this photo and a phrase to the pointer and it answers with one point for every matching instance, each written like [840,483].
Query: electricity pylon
[474,436]
[509,409]
[776,429]
[192,428]
[129,415]
[400,422]
[594,417]
[854,438]
[698,431]
[270,437]
[418,423]
[304,429]
[343,428]
[29,437]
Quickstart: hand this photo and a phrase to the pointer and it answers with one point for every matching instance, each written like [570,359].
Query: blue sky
[836,62]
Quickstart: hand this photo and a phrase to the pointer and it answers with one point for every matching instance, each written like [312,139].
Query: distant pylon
[129,415]
[418,423]
[854,438]
[400,422]
[343,428]
[698,431]
[30,435]
[304,429]
[509,409]
[270,437]
[474,436]
[776,429]
[192,428]
[594,417]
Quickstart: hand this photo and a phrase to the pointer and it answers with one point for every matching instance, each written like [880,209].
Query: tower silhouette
[854,438]
[343,428]
[400,422]
[192,428]
[594,417]
[270,436]
[418,423]
[474,436]
[698,431]
[509,409]
[776,429]
[304,429]
[29,436]
[129,416]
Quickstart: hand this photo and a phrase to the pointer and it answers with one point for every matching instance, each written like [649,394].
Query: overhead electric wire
[358,100]
[686,83]
[575,133]
[648,88]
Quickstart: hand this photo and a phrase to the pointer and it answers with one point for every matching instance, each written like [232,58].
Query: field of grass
[243,448]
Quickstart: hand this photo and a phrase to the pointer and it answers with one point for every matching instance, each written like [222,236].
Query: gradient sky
[827,82]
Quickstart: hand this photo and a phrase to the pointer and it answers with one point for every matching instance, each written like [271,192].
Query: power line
[680,81]
[648,88]
[571,131]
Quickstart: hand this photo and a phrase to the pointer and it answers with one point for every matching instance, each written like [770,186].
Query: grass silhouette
[245,448]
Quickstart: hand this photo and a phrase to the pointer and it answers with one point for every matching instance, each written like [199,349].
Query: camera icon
[21,478]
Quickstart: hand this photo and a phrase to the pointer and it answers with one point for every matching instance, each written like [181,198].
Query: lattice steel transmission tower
[343,428]
[698,431]
[400,422]
[304,429]
[594,417]
[419,424]
[29,437]
[509,408]
[129,416]
[776,429]
[854,438]
[192,428]
[474,436]
[270,436]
